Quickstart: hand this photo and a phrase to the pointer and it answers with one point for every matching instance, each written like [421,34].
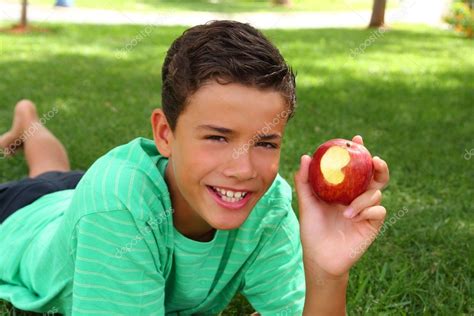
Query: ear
[162,133]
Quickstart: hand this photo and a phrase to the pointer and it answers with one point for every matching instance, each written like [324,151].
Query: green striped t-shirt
[109,247]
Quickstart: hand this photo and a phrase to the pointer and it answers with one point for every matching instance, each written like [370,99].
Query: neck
[208,236]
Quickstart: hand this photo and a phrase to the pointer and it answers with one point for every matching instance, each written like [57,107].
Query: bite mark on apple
[332,162]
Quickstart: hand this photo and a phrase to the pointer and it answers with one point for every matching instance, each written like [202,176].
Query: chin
[226,224]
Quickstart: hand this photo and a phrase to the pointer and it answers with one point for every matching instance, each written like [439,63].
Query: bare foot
[25,116]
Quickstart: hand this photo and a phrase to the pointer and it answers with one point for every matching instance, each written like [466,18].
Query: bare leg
[43,151]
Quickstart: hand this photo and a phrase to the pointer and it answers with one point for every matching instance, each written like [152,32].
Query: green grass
[410,95]
[224,6]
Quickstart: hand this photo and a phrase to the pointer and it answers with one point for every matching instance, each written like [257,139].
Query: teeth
[229,199]
[229,193]
[230,196]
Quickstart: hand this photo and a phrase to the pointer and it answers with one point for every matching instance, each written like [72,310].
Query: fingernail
[349,212]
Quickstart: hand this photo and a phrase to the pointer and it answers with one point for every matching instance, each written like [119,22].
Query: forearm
[325,295]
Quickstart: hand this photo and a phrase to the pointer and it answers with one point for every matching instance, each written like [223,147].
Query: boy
[180,224]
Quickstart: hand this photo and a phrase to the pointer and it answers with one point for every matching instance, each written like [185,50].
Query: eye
[220,139]
[215,137]
[268,145]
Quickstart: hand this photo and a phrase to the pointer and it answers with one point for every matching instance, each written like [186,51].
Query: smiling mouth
[228,195]
[231,203]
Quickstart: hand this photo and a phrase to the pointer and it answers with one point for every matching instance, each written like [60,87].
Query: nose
[240,166]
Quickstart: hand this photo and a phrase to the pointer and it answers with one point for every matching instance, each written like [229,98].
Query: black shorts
[17,194]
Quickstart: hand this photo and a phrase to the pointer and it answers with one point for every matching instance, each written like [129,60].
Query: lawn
[224,6]
[410,94]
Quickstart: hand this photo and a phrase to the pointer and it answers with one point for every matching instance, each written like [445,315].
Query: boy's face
[203,158]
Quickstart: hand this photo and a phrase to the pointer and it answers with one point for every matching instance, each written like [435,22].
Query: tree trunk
[378,13]
[23,20]
[282,2]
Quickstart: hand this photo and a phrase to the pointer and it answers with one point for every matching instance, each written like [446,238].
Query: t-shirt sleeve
[274,284]
[114,270]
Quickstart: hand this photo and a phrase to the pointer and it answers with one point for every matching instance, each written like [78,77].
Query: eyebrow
[227,131]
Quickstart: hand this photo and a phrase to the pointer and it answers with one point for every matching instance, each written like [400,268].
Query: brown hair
[225,51]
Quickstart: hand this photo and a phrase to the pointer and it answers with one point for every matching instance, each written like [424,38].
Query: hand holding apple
[340,171]
[331,231]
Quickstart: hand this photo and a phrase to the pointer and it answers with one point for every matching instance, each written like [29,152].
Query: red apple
[340,171]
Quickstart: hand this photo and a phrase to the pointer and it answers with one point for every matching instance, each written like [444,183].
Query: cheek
[211,155]
[267,165]
[198,162]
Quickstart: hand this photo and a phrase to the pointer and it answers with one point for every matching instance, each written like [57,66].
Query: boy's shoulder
[273,209]
[279,193]
[128,177]
[140,153]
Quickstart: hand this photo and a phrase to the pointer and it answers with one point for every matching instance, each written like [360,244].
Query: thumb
[303,187]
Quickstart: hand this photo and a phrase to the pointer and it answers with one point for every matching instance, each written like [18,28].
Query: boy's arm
[325,295]
[114,271]
[334,237]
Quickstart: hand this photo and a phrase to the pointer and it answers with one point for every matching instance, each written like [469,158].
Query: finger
[381,172]
[303,188]
[358,139]
[366,199]
[375,213]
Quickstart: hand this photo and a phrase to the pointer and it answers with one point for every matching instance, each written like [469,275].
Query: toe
[25,115]
[7,145]
[24,107]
